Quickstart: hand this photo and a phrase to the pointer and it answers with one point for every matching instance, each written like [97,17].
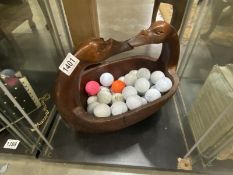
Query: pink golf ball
[92,87]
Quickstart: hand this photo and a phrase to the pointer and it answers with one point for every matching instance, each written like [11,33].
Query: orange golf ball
[117,86]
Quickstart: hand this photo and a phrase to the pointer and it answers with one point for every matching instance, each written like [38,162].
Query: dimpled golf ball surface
[92,88]
[119,107]
[143,73]
[117,97]
[130,79]
[91,99]
[129,91]
[142,85]
[156,75]
[91,107]
[152,95]
[102,88]
[144,101]
[133,102]
[133,72]
[104,97]
[122,78]
[106,79]
[163,84]
[102,110]
[153,87]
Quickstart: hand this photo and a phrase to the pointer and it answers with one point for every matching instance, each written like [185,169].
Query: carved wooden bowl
[70,96]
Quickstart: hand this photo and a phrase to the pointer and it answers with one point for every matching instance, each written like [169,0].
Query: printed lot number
[69,63]
[11,144]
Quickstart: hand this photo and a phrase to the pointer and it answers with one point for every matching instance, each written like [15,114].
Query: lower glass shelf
[156,142]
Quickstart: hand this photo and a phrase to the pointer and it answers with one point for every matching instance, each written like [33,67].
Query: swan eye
[159,32]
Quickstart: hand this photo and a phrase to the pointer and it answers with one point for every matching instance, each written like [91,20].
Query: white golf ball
[117,97]
[163,84]
[102,110]
[91,99]
[156,75]
[133,102]
[153,87]
[122,78]
[144,101]
[102,88]
[91,107]
[129,91]
[130,79]
[143,73]
[152,94]
[106,79]
[133,72]
[104,97]
[119,107]
[142,85]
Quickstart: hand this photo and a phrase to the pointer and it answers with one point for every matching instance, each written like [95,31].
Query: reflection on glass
[27,48]
[211,46]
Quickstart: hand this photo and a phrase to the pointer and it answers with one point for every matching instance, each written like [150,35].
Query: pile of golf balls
[112,96]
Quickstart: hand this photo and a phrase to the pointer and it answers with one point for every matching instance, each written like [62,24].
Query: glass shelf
[30,43]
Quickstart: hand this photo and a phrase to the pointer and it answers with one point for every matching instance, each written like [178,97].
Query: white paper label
[69,64]
[11,144]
